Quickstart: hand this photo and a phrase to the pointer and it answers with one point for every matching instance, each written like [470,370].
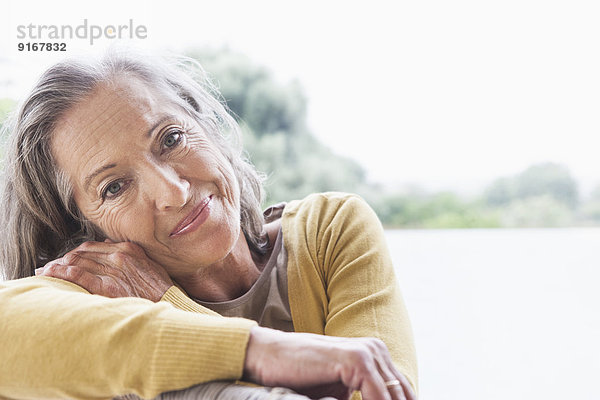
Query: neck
[226,279]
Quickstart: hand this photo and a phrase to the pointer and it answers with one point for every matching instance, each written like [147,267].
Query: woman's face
[143,171]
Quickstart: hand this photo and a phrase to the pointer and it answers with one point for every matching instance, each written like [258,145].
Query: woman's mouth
[194,219]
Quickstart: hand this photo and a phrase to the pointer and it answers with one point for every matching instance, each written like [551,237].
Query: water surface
[503,314]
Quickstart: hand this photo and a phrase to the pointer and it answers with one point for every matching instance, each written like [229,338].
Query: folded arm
[58,341]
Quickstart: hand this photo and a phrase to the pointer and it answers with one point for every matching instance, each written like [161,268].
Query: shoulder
[330,212]
[326,206]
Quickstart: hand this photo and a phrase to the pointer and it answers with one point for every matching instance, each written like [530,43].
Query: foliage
[590,210]
[273,120]
[530,212]
[6,106]
[299,165]
[253,94]
[543,195]
[417,209]
[549,179]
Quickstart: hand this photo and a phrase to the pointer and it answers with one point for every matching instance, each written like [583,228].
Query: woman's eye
[113,189]
[172,139]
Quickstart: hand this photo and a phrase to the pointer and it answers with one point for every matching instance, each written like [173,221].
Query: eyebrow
[158,123]
[97,172]
[88,179]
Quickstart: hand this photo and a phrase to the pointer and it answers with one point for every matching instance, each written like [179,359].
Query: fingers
[392,385]
[373,388]
[382,384]
[99,257]
[395,382]
[105,247]
[384,380]
[406,386]
[74,274]
[122,270]
[108,246]
[403,385]
[361,370]
[81,268]
[93,276]
[96,262]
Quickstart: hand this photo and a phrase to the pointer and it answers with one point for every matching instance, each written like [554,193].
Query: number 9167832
[41,46]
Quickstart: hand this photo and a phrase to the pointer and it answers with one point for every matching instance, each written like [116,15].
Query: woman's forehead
[123,104]
[120,112]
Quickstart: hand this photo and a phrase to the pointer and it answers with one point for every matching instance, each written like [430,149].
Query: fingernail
[39,270]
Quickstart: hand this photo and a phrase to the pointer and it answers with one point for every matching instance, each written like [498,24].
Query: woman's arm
[349,282]
[58,341]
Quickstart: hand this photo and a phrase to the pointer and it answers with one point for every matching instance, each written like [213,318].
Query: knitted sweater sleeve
[58,341]
[179,299]
[341,278]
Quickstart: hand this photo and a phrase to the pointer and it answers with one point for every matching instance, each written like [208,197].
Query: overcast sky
[438,93]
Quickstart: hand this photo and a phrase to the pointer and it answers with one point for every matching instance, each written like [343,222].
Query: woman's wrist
[257,348]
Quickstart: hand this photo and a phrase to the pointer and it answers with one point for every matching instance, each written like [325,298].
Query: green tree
[538,211]
[550,179]
[275,135]
[253,94]
[501,192]
[316,168]
[6,106]
[590,210]
[417,209]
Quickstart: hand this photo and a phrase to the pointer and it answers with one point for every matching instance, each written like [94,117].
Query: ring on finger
[393,382]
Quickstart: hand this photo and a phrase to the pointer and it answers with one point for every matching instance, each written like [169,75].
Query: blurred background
[470,127]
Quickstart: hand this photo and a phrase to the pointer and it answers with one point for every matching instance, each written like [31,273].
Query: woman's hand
[324,365]
[111,269]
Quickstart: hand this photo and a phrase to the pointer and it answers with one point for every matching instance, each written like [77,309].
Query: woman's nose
[168,189]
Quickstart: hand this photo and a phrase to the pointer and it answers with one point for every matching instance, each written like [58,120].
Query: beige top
[267,300]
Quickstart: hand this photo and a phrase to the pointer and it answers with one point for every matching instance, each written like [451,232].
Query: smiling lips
[194,219]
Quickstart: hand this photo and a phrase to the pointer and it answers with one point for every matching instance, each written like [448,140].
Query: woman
[121,181]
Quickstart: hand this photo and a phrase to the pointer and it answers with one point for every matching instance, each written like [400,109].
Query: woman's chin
[201,251]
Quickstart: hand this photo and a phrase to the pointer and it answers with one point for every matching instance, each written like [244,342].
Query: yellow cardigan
[58,341]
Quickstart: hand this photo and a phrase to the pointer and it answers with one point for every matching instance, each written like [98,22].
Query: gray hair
[38,217]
